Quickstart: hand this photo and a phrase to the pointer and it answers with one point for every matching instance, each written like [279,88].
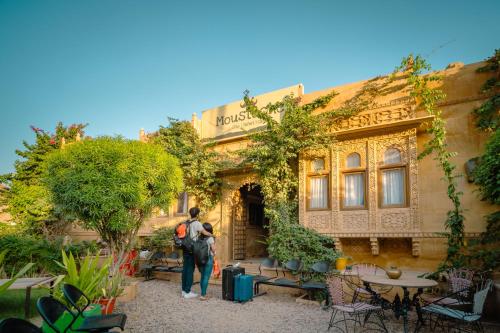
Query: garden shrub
[23,249]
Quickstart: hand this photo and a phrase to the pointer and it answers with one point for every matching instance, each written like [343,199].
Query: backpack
[200,251]
[182,238]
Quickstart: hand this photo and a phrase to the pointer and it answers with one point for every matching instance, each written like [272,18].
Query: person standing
[195,229]
[206,269]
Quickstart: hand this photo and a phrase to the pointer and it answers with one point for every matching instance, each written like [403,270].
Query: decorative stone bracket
[374,245]
[337,244]
[415,247]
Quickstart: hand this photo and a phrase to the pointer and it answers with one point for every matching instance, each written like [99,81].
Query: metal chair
[354,310]
[11,325]
[459,282]
[75,297]
[269,264]
[449,316]
[361,269]
[52,310]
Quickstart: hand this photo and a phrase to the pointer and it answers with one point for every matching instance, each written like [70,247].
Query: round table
[400,306]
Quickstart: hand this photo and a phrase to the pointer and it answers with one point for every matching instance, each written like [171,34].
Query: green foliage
[111,185]
[28,200]
[24,249]
[4,286]
[428,97]
[198,162]
[86,274]
[161,239]
[487,173]
[289,240]
[488,114]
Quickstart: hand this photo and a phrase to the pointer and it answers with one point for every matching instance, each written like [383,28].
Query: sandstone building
[368,191]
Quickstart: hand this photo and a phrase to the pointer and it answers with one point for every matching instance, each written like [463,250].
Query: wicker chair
[459,282]
[351,311]
[353,276]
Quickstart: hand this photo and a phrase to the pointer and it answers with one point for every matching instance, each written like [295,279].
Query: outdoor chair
[294,266]
[80,302]
[353,276]
[320,268]
[176,260]
[53,312]
[459,282]
[358,313]
[268,264]
[152,264]
[449,317]
[11,325]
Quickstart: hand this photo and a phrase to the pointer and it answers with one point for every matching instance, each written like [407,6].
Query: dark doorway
[256,222]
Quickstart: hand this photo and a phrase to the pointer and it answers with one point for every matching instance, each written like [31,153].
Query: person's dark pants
[187,272]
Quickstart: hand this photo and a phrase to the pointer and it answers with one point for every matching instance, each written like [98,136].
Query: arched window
[353,183]
[392,156]
[393,179]
[353,161]
[317,185]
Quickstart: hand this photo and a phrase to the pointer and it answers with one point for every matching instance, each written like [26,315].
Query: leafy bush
[290,240]
[111,185]
[23,249]
[86,274]
[161,239]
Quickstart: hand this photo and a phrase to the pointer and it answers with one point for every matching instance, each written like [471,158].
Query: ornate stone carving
[374,246]
[355,221]
[372,185]
[415,247]
[319,222]
[377,117]
[337,243]
[399,220]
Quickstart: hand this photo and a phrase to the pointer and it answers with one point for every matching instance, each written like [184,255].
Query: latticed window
[353,183]
[393,179]
[318,186]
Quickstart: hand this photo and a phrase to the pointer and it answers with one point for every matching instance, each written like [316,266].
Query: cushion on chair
[452,313]
[104,321]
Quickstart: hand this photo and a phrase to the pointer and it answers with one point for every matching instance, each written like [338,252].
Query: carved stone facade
[372,220]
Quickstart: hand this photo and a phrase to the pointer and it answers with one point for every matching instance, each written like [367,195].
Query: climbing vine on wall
[486,252]
[274,155]
[427,96]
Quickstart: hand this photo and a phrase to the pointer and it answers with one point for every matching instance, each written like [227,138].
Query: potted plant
[341,262]
[113,288]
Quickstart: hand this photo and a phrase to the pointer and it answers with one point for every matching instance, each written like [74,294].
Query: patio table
[28,283]
[401,307]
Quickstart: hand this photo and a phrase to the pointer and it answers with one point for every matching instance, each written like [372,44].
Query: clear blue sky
[122,65]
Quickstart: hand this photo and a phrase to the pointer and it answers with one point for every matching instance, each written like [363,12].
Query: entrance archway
[249,223]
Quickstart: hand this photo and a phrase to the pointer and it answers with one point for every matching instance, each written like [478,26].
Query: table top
[407,282]
[23,283]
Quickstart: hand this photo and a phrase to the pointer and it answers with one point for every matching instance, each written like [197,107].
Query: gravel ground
[159,308]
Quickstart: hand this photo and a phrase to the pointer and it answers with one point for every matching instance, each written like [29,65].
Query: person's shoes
[183,293]
[190,295]
[204,298]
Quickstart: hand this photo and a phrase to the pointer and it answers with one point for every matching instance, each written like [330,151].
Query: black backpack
[200,251]
[186,242]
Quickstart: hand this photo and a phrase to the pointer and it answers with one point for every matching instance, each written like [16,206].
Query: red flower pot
[107,305]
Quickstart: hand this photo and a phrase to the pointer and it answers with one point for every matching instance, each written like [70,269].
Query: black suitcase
[228,275]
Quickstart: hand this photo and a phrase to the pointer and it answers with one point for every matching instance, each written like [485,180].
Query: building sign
[231,120]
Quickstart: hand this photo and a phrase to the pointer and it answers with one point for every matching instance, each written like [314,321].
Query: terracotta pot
[393,272]
[107,305]
[340,263]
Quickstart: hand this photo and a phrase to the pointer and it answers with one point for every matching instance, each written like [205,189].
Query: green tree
[198,161]
[111,185]
[27,199]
